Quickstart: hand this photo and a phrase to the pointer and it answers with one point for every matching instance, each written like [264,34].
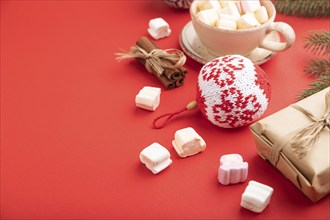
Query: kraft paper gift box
[296,140]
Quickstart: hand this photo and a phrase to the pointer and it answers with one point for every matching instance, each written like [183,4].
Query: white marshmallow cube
[159,28]
[226,24]
[226,16]
[250,5]
[226,3]
[208,4]
[261,14]
[256,196]
[232,169]
[155,157]
[209,16]
[231,9]
[247,21]
[187,142]
[148,98]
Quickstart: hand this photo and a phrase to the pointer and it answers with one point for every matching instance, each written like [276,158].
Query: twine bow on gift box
[302,141]
[156,58]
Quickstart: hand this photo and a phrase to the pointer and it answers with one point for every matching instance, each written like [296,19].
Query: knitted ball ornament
[232,91]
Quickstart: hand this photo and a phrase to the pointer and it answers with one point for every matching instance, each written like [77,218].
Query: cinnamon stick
[163,79]
[166,82]
[170,78]
[182,70]
[172,74]
[180,81]
[146,44]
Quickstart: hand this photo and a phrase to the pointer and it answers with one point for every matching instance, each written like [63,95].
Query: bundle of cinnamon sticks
[165,65]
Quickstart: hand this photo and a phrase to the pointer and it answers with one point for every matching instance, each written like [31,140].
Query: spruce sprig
[318,67]
[304,8]
[318,43]
[321,83]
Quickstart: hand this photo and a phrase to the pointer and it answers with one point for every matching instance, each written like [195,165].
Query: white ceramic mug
[242,41]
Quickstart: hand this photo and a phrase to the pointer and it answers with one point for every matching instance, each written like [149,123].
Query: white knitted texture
[244,82]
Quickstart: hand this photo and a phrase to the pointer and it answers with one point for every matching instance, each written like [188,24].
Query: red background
[71,134]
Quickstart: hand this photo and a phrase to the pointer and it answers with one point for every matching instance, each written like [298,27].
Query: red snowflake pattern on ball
[232,91]
[263,81]
[217,66]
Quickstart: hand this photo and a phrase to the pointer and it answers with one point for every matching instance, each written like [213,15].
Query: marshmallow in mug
[208,16]
[261,14]
[240,14]
[231,10]
[188,142]
[220,42]
[226,3]
[155,157]
[159,28]
[256,196]
[203,5]
[249,5]
[232,169]
[247,20]
[148,98]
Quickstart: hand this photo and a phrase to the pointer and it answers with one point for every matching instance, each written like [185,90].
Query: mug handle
[288,34]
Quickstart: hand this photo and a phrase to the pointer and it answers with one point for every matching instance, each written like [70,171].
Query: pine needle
[318,67]
[318,43]
[303,8]
[321,83]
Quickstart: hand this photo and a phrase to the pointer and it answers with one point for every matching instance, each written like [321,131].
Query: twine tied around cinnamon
[156,58]
[302,141]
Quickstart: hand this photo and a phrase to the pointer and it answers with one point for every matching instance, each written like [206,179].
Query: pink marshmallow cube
[232,169]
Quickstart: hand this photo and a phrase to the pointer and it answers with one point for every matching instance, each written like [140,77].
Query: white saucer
[192,46]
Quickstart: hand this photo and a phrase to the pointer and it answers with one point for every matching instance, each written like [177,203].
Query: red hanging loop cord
[169,116]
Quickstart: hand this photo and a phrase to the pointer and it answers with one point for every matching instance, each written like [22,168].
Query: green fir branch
[318,67]
[303,8]
[321,83]
[318,43]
